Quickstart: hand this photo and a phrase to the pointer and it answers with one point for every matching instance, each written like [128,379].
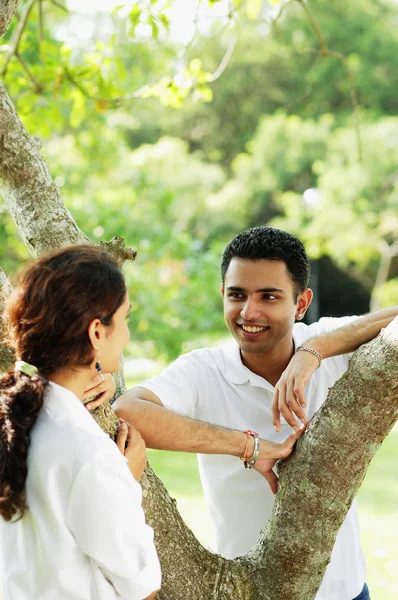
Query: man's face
[259,304]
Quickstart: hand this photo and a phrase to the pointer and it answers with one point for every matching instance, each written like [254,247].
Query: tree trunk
[317,483]
[29,192]
[6,355]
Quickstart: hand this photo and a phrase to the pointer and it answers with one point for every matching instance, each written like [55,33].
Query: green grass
[377,504]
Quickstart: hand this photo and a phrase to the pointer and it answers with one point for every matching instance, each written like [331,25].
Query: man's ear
[303,301]
[222,290]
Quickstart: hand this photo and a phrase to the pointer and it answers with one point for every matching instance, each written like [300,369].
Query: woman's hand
[132,446]
[102,388]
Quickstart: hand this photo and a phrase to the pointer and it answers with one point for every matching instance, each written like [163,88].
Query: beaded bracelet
[249,433]
[314,352]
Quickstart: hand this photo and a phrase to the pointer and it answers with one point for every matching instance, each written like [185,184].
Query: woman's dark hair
[47,319]
[269,243]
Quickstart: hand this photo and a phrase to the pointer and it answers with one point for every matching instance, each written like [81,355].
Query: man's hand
[132,446]
[270,453]
[101,389]
[289,396]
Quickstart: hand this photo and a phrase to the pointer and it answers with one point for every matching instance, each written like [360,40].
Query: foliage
[277,65]
[154,197]
[102,90]
[303,175]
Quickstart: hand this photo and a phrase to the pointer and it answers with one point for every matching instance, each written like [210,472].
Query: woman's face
[115,338]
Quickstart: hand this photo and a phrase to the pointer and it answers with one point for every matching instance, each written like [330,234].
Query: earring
[299,316]
[99,368]
[98,364]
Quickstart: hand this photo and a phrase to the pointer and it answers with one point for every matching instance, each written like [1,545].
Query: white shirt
[215,386]
[84,536]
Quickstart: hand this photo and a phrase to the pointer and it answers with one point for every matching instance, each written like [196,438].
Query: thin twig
[41,21]
[324,51]
[16,38]
[275,22]
[225,60]
[78,85]
[59,5]
[38,88]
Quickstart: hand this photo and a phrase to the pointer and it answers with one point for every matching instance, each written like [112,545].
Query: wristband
[314,352]
[250,465]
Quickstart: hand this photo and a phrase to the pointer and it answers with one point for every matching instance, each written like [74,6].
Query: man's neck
[271,364]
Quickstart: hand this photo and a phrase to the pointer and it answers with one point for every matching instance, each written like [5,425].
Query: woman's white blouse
[84,536]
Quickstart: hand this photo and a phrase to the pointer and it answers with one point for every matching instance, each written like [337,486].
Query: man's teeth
[253,329]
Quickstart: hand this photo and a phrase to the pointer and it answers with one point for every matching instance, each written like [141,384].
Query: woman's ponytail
[21,398]
[46,320]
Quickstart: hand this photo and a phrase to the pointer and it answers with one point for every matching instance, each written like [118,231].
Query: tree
[338,444]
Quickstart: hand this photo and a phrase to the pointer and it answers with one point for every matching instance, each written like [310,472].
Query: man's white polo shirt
[215,386]
[84,536]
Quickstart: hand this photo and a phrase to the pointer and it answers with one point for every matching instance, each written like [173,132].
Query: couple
[59,474]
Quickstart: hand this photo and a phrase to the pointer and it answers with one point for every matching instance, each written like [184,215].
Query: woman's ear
[95,332]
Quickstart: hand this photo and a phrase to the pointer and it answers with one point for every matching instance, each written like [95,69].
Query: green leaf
[134,18]
[154,27]
[164,19]
[77,112]
[117,8]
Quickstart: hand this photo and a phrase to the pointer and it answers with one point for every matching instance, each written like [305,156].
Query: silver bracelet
[314,352]
[250,465]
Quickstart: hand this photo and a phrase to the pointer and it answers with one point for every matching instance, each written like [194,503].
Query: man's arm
[166,430]
[289,396]
[350,337]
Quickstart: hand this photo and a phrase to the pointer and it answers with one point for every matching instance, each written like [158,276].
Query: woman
[71,524]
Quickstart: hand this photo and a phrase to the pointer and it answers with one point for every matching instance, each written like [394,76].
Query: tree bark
[7,12]
[29,192]
[6,354]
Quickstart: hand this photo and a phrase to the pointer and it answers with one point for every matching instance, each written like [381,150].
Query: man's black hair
[269,243]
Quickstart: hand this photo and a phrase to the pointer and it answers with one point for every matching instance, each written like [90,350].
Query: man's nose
[250,310]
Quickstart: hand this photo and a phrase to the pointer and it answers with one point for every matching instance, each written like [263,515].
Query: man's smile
[252,328]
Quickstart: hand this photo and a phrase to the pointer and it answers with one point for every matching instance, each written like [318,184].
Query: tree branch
[7,12]
[387,253]
[16,38]
[59,5]
[225,60]
[41,21]
[29,192]
[324,51]
[38,88]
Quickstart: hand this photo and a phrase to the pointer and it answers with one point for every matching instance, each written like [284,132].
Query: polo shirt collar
[67,406]
[236,372]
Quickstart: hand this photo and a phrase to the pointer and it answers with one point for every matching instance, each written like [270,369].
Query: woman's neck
[75,380]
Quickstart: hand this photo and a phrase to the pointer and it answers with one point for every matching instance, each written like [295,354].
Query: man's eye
[269,297]
[235,295]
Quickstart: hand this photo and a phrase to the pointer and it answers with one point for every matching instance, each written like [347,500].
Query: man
[207,400]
